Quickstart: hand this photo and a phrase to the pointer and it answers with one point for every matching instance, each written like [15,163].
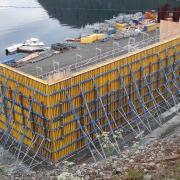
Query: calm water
[54,20]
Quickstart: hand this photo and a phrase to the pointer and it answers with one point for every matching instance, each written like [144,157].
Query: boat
[30,45]
[73,39]
[30,49]
[13,49]
[33,42]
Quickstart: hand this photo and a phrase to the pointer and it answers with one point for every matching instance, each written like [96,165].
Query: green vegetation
[2,170]
[135,174]
[80,12]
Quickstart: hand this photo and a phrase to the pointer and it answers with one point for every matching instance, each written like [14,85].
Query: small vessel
[30,45]
[12,49]
[73,39]
[30,49]
[33,42]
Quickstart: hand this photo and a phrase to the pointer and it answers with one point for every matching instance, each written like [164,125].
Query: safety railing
[132,45]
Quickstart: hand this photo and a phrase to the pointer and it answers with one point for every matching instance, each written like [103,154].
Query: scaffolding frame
[51,122]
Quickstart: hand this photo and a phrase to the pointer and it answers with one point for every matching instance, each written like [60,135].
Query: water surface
[54,20]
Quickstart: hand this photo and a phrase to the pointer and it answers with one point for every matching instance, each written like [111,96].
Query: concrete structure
[173,29]
[55,119]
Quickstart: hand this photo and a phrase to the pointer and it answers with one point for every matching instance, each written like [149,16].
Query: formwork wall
[23,108]
[57,113]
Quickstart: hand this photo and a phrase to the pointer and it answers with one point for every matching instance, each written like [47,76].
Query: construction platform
[41,66]
[55,118]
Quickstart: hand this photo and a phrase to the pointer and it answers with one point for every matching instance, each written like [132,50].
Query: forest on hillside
[78,12]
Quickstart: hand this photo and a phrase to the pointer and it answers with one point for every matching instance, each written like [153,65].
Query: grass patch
[135,174]
[1,170]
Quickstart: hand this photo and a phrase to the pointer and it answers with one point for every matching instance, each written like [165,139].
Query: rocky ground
[156,156]
[159,160]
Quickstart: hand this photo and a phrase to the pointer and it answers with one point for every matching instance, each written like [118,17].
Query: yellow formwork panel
[102,80]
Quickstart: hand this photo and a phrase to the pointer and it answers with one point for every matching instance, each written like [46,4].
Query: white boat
[30,49]
[33,42]
[13,48]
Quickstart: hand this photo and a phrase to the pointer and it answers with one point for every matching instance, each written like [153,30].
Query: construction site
[48,117]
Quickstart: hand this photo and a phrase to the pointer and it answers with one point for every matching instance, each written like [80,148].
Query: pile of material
[92,38]
[128,25]
[62,46]
[149,15]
